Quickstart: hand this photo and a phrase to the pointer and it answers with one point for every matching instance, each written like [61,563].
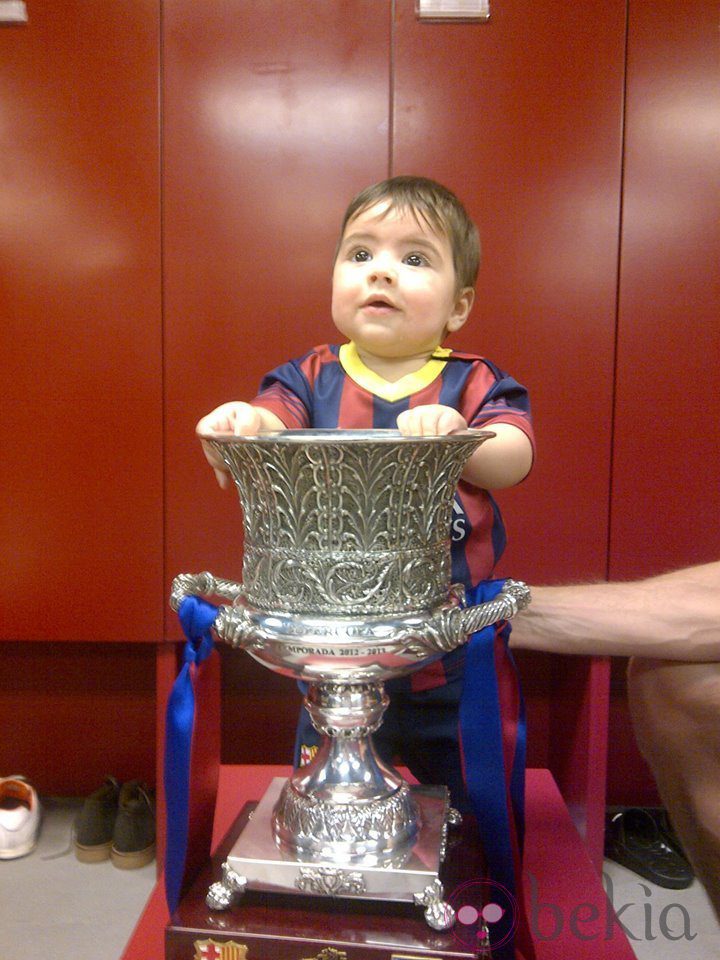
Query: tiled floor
[65,910]
[663,924]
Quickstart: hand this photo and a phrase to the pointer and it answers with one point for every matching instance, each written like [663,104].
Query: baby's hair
[438,207]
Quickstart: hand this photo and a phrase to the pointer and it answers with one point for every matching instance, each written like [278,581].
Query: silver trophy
[346,583]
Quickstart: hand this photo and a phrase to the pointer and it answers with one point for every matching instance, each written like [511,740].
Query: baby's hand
[235,417]
[431,420]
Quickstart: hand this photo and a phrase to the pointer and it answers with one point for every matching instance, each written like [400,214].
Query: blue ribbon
[196,617]
[481,736]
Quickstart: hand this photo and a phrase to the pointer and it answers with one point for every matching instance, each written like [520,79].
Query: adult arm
[675,616]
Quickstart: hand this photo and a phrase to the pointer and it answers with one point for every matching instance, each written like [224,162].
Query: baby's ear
[461,310]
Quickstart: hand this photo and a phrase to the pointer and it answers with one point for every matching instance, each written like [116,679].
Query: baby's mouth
[378,304]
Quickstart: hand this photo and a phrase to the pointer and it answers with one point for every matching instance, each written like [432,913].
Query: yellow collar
[385,389]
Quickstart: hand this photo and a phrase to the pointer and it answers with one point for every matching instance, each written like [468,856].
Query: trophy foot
[225,892]
[438,913]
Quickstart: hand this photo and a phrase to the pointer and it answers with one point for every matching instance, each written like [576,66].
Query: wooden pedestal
[570,917]
[275,926]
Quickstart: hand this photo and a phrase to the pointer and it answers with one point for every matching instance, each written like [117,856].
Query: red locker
[666,468]
[274,116]
[522,117]
[81,471]
[80,299]
[666,462]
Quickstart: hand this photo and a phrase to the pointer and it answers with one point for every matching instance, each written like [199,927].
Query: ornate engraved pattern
[331,881]
[347,711]
[305,818]
[329,953]
[346,524]
[233,625]
[205,584]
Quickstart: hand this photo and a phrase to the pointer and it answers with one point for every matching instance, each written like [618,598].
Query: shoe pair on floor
[20,816]
[643,840]
[117,822]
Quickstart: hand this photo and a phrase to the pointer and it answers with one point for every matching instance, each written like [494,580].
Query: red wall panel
[522,117]
[666,476]
[73,713]
[81,470]
[666,469]
[275,114]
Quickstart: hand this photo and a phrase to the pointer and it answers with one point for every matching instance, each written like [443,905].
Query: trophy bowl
[346,583]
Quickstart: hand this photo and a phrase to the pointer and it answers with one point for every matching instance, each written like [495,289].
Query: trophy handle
[451,628]
[513,598]
[232,623]
[202,585]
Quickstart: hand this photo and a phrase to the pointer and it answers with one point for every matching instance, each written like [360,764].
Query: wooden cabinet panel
[74,712]
[81,428]
[665,506]
[275,114]
[522,117]
[666,472]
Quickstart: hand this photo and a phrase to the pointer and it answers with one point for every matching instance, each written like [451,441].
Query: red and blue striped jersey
[330,387]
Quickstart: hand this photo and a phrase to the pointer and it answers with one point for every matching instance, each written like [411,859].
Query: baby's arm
[500,462]
[240,419]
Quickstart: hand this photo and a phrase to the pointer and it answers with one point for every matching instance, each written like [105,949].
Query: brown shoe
[133,839]
[95,823]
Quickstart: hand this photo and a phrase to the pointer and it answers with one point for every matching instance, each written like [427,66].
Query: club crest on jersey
[212,950]
[307,753]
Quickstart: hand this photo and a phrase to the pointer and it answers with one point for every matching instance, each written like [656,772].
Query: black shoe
[634,840]
[95,823]
[667,832]
[133,839]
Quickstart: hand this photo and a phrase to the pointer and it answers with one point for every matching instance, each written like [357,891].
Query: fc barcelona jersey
[330,387]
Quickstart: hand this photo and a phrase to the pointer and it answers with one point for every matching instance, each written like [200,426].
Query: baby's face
[394,285]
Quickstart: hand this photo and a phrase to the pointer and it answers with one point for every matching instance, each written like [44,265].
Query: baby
[403,280]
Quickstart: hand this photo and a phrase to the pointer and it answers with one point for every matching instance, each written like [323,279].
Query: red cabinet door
[522,117]
[81,391]
[666,475]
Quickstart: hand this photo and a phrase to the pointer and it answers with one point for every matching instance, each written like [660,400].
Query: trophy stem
[346,805]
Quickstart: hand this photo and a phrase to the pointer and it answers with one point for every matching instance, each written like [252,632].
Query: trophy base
[265,865]
[269,924]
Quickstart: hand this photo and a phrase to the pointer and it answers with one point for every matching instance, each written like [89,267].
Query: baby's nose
[382,271]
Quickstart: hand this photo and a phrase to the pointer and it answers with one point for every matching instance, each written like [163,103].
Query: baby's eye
[360,256]
[416,260]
